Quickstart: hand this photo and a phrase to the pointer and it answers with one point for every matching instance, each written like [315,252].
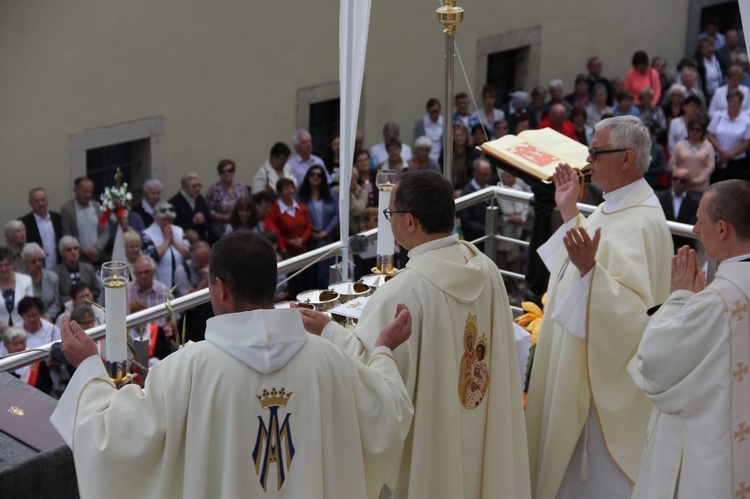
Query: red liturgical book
[26,418]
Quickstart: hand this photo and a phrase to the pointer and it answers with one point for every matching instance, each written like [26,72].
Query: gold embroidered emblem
[741,432]
[16,411]
[473,372]
[740,372]
[273,445]
[742,491]
[736,313]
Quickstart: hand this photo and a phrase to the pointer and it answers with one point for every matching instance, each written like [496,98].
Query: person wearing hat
[165,243]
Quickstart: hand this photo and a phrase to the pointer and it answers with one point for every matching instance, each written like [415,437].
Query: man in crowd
[379,152]
[146,289]
[461,115]
[190,206]
[80,219]
[558,122]
[727,54]
[680,205]
[304,159]
[431,124]
[473,218]
[152,189]
[259,407]
[586,419]
[459,365]
[595,66]
[693,362]
[43,227]
[72,270]
[192,276]
[273,169]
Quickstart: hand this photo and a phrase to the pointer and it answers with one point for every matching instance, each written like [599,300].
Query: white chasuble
[261,408]
[693,365]
[460,368]
[582,374]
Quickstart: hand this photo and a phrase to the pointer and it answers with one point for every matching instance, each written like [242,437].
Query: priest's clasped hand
[686,273]
[581,248]
[77,345]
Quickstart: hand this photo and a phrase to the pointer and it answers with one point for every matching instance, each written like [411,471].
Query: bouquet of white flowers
[115,202]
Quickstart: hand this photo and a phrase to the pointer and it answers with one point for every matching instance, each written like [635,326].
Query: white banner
[354,23]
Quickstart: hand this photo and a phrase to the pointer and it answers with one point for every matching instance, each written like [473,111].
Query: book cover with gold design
[26,418]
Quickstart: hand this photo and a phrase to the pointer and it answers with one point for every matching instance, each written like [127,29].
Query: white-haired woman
[15,238]
[165,243]
[45,283]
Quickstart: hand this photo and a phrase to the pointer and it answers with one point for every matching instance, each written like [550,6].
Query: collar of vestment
[738,258]
[289,210]
[632,194]
[433,245]
[265,340]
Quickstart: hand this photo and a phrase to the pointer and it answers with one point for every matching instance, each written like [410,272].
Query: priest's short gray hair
[628,132]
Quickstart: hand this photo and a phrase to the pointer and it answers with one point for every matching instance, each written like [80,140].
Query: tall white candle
[386,181]
[115,278]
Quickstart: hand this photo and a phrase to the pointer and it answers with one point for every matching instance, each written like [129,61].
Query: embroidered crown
[274,398]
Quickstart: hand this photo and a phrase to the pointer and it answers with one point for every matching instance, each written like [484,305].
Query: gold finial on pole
[449,16]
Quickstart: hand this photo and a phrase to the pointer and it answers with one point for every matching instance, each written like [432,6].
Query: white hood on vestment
[265,340]
[459,280]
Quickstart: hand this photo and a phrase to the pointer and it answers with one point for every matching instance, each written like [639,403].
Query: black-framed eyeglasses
[594,153]
[388,214]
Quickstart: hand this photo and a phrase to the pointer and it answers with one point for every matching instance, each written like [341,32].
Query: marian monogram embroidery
[474,376]
[273,445]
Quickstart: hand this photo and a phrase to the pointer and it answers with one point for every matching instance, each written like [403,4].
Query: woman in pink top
[642,76]
[695,154]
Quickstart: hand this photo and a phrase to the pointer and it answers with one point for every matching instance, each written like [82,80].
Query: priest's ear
[221,299]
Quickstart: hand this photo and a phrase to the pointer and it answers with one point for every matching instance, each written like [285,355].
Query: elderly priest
[259,407]
[693,362]
[585,417]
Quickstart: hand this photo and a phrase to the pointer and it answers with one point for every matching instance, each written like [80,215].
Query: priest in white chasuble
[694,363]
[468,438]
[259,408]
[585,417]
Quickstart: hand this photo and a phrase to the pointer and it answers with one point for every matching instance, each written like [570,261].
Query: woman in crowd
[597,107]
[45,282]
[672,106]
[221,198]
[678,129]
[642,76]
[734,79]
[709,68]
[15,238]
[290,218]
[651,113]
[165,243]
[15,286]
[729,133]
[323,208]
[489,114]
[244,216]
[463,156]
[357,204]
[421,159]
[80,296]
[695,154]
[331,157]
[366,176]
[583,131]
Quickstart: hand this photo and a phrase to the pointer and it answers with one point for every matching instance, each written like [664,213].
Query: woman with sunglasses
[222,196]
[323,207]
[696,155]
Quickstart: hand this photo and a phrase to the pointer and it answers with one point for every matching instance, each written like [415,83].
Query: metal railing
[15,361]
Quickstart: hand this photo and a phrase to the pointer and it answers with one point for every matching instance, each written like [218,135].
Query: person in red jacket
[558,121]
[291,218]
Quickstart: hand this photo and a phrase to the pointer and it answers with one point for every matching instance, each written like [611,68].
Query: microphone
[357,244]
